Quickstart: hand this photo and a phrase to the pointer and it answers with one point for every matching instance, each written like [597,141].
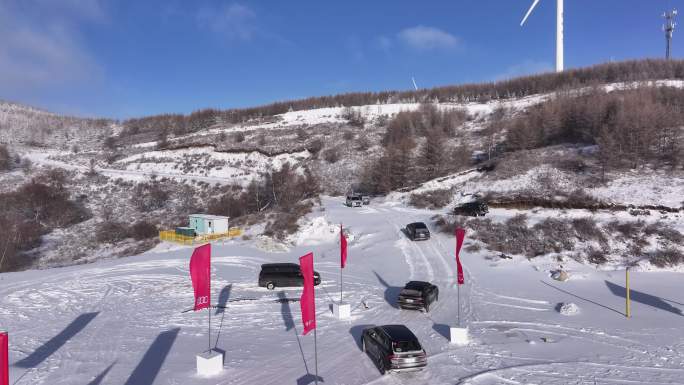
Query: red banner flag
[343,249]
[4,358]
[307,300]
[200,273]
[460,234]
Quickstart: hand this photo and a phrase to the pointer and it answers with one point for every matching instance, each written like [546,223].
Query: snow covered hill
[122,322]
[106,161]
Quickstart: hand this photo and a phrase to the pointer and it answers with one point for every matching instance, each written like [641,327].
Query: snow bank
[568,309]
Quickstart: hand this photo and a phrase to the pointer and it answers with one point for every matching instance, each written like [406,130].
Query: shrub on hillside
[596,256]
[111,232]
[149,196]
[31,211]
[353,116]
[281,190]
[667,258]
[5,158]
[143,230]
[664,232]
[281,224]
[315,146]
[586,229]
[435,199]
[331,155]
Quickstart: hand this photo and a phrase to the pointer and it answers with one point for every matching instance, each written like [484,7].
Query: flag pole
[341,284]
[458,290]
[316,355]
[341,235]
[628,309]
[209,310]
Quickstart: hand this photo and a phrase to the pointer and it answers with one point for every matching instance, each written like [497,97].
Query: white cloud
[41,52]
[528,67]
[429,38]
[233,21]
[384,43]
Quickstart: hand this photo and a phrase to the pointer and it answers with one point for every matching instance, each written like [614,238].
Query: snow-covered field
[122,321]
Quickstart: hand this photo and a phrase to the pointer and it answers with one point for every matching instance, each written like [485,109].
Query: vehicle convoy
[354,200]
[417,231]
[357,199]
[393,348]
[473,209]
[418,295]
[274,275]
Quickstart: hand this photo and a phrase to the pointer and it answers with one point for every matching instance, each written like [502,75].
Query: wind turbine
[559,31]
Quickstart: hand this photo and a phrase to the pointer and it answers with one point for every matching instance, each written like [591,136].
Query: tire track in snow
[578,372]
[421,264]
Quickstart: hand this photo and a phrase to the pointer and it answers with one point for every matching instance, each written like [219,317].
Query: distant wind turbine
[414,83]
[559,31]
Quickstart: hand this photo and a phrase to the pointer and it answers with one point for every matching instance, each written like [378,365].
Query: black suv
[283,275]
[393,348]
[418,295]
[473,209]
[417,231]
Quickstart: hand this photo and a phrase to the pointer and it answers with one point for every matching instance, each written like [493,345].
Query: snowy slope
[121,321]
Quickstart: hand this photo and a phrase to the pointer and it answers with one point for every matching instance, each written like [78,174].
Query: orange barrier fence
[172,236]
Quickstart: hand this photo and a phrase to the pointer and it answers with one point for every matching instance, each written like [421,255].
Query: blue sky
[123,59]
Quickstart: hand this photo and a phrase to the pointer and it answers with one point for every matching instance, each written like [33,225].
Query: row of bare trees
[281,190]
[630,127]
[403,162]
[629,71]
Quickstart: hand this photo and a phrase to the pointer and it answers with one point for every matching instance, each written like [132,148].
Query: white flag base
[210,363]
[341,310]
[458,336]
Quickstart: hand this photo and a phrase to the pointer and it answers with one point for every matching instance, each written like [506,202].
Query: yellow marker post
[628,312]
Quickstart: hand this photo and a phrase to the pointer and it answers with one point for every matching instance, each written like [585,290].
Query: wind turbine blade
[529,12]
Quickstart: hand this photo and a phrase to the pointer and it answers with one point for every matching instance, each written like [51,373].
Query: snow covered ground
[122,321]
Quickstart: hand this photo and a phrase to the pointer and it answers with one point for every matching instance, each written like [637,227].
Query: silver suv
[354,200]
[393,348]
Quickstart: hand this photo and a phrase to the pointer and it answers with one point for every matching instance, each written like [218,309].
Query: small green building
[208,224]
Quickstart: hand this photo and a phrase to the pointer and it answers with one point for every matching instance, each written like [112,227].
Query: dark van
[283,275]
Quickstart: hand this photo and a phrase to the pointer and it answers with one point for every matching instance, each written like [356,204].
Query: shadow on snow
[151,363]
[56,342]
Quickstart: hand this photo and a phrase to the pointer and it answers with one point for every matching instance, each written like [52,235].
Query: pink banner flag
[460,234]
[307,300]
[4,358]
[200,273]
[343,249]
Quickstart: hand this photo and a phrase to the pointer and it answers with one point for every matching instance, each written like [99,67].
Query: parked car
[393,348]
[354,200]
[417,231]
[473,209]
[274,275]
[418,295]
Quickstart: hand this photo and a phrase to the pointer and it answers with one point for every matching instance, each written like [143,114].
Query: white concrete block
[341,310]
[458,336]
[209,363]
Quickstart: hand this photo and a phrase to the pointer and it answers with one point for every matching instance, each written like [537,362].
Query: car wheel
[381,367]
[363,344]
[427,307]
[270,286]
